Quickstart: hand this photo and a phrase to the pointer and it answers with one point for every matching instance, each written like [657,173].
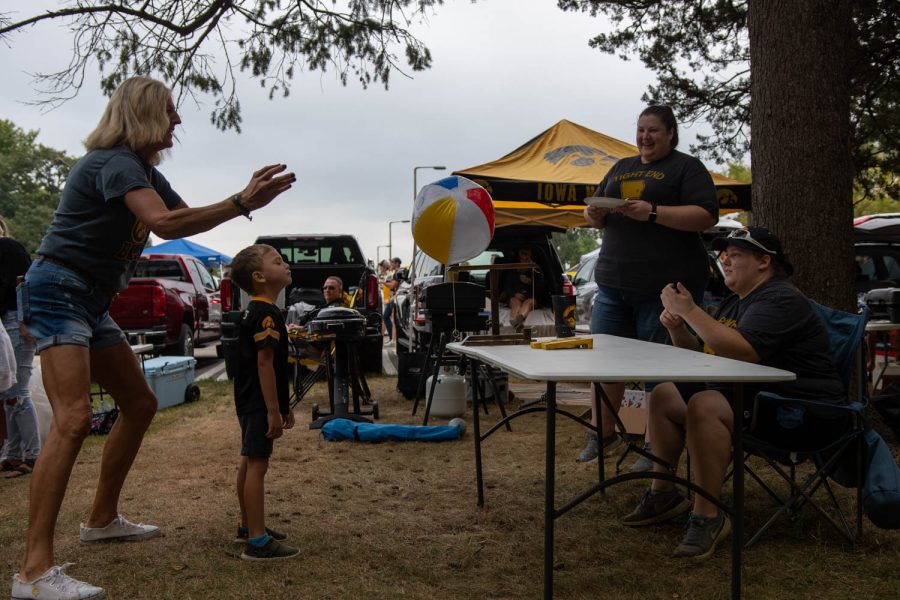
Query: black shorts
[766,423]
[254,442]
[688,389]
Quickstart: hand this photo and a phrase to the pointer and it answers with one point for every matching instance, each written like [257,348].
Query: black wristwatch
[651,218]
[236,199]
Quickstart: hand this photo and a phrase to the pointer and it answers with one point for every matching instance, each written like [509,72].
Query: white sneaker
[120,530]
[54,584]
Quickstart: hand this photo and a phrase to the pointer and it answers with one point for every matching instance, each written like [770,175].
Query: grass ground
[398,520]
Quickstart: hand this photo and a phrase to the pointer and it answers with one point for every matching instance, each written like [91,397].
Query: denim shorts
[628,314]
[60,307]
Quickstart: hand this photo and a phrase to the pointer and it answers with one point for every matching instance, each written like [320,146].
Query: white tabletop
[620,359]
[882,326]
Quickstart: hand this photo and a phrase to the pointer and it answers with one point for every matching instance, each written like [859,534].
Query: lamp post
[378,251]
[415,192]
[390,248]
[415,169]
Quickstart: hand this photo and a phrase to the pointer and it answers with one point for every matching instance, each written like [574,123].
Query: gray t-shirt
[92,228]
[638,256]
[784,330]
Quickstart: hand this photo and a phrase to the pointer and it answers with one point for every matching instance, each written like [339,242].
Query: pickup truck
[313,258]
[172,302]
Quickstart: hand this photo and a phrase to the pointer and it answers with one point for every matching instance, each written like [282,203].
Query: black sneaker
[702,535]
[656,508]
[243,534]
[612,445]
[273,550]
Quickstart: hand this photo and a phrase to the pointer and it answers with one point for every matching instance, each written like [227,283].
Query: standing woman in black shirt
[649,242]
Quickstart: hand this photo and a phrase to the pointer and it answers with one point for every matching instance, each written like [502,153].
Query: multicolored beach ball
[453,219]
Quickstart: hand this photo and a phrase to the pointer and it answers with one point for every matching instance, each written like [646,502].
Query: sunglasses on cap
[744,234]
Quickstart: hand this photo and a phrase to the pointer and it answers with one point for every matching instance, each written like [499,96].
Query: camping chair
[830,436]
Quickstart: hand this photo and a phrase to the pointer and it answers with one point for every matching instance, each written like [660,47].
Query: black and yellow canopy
[546,180]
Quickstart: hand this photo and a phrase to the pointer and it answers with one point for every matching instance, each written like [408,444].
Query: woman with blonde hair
[113,198]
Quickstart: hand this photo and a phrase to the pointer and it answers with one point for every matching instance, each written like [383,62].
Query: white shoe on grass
[120,530]
[54,584]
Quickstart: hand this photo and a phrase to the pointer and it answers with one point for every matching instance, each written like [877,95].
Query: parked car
[314,258]
[414,329]
[172,302]
[585,288]
[876,241]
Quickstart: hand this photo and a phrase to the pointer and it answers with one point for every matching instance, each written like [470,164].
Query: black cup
[564,315]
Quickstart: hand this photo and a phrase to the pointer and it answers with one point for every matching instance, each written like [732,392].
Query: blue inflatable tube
[345,429]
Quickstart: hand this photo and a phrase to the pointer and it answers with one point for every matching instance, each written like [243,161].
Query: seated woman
[767,321]
[522,287]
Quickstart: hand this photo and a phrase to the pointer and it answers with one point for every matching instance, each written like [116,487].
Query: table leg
[549,488]
[476,422]
[435,375]
[885,340]
[599,396]
[737,530]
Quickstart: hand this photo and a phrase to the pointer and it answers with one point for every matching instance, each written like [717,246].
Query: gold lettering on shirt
[727,322]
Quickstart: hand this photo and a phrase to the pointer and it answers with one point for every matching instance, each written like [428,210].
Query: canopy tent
[546,180]
[208,256]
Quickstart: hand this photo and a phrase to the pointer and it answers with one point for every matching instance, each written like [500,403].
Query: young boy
[260,393]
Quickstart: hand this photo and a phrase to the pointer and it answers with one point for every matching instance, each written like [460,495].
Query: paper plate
[605,202]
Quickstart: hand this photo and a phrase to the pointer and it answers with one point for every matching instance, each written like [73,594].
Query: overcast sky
[503,71]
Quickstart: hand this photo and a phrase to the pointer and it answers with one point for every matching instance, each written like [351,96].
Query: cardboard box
[634,412]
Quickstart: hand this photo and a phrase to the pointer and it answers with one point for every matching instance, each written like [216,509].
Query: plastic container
[449,398]
[171,378]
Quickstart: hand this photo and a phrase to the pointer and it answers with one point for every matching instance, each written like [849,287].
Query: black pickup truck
[313,258]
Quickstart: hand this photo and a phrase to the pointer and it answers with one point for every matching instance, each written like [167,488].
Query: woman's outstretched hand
[265,185]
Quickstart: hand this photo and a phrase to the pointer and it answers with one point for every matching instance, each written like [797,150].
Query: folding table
[614,359]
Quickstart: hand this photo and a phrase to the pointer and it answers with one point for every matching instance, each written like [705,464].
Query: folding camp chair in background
[827,435]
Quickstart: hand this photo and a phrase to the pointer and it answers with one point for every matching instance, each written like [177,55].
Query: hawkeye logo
[726,197]
[268,323]
[579,156]
[131,249]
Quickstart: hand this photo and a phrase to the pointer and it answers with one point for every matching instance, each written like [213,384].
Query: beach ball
[458,423]
[453,219]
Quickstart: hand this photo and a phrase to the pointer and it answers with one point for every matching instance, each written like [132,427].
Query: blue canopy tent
[208,256]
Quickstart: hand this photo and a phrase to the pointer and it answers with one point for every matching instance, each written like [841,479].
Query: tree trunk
[802,170]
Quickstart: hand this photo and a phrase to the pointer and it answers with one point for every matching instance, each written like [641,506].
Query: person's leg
[526,307]
[26,421]
[662,501]
[65,370]
[12,448]
[116,369]
[515,309]
[668,413]
[709,423]
[613,316]
[240,487]
[24,441]
[254,495]
[395,323]
[387,320]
